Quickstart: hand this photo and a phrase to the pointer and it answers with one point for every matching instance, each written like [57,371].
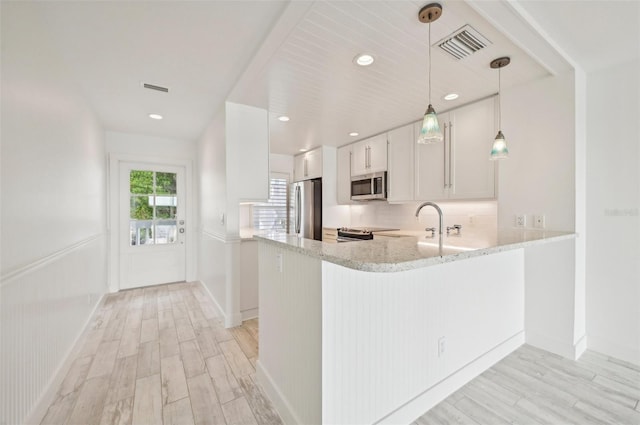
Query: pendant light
[499,149]
[430,131]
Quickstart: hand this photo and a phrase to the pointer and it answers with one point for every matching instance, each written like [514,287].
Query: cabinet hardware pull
[444,157]
[450,142]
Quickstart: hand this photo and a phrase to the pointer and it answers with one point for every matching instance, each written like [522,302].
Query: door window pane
[166,231]
[141,207]
[141,181]
[141,232]
[166,183]
[153,218]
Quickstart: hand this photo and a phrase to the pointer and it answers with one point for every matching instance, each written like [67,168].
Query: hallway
[160,355]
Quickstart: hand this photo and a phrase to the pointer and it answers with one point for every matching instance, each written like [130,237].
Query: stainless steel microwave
[369,187]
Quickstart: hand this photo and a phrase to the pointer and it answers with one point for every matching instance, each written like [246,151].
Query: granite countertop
[407,250]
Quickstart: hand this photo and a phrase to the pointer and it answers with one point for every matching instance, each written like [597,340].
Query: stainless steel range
[346,234]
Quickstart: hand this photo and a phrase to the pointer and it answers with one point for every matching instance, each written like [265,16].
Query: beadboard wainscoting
[396,344]
[381,347]
[45,307]
[219,272]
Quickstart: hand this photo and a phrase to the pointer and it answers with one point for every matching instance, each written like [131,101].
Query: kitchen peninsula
[380,331]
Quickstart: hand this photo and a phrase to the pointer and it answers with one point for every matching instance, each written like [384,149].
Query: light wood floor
[160,355]
[532,386]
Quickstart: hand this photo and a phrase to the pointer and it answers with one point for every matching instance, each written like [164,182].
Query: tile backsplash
[476,218]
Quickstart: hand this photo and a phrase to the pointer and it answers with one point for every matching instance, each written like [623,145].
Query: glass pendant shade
[499,149]
[430,131]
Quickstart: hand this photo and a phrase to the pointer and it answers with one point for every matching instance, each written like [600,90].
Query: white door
[152,224]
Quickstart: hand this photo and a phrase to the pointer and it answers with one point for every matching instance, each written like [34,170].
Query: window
[273,214]
[153,204]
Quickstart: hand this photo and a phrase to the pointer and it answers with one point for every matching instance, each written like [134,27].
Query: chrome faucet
[439,215]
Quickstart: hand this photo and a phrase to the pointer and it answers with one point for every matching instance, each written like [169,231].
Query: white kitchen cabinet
[431,165]
[472,172]
[344,174]
[307,165]
[369,155]
[400,164]
[459,167]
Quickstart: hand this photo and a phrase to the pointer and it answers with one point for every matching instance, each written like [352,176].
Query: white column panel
[289,368]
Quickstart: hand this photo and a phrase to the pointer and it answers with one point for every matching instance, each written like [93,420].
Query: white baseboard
[252,313]
[579,347]
[233,320]
[274,394]
[49,394]
[565,349]
[219,309]
[415,408]
[611,348]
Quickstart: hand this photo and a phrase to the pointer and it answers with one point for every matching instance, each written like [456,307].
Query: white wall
[149,146]
[279,163]
[613,201]
[539,176]
[53,213]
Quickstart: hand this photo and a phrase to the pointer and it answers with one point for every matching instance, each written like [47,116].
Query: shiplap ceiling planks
[312,78]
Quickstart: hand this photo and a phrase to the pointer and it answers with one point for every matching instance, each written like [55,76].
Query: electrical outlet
[538,221]
[279,262]
[471,219]
[521,220]
[441,346]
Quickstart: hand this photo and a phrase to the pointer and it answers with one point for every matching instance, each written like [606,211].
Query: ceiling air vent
[463,42]
[158,88]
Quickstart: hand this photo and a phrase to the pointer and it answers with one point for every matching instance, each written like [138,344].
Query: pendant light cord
[429,56]
[499,101]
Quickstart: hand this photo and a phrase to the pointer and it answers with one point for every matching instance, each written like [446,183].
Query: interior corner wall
[613,201]
[53,214]
[539,122]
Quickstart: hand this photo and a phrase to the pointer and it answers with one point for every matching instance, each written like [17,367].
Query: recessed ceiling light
[353,134]
[364,59]
[451,96]
[155,116]
[283,118]
[302,150]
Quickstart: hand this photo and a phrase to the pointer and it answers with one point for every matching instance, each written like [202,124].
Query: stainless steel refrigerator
[307,209]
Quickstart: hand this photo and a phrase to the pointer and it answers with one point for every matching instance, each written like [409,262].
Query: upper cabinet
[400,164]
[459,167]
[369,155]
[307,165]
[472,172]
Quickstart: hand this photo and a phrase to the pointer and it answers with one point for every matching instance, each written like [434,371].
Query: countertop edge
[388,267]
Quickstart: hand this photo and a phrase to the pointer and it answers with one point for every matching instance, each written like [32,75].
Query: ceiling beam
[510,18]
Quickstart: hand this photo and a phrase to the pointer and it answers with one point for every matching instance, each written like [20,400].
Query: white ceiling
[203,51]
[195,48]
[595,34]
